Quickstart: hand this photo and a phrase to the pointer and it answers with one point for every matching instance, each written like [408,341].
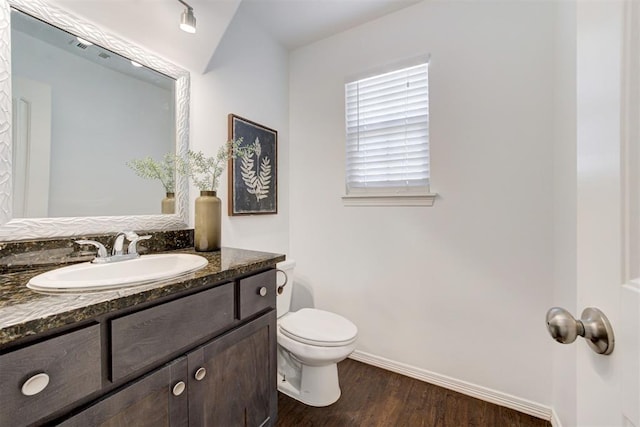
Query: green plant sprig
[164,171]
[205,171]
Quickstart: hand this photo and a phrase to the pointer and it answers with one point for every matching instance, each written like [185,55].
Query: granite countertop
[24,312]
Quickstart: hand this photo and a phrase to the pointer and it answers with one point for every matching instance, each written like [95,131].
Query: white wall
[247,76]
[461,288]
[565,187]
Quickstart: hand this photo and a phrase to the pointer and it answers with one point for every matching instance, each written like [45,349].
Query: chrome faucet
[102,251]
[132,249]
[117,252]
[118,242]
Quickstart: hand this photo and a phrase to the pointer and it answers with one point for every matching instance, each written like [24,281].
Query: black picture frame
[253,180]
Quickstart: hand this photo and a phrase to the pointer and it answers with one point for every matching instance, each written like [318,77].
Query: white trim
[555,420]
[629,134]
[633,285]
[388,67]
[493,396]
[389,200]
[6,183]
[33,228]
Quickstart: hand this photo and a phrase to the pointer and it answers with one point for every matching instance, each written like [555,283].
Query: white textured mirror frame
[37,228]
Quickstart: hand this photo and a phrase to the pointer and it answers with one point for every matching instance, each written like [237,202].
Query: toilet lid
[318,327]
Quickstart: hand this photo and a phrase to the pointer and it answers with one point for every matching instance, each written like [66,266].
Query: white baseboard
[473,390]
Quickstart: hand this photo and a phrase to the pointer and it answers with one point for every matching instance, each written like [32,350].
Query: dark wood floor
[375,397]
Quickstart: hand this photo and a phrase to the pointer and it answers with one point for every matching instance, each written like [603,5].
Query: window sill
[389,199]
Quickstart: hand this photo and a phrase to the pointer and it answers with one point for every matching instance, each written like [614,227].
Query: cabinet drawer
[70,362]
[150,335]
[257,293]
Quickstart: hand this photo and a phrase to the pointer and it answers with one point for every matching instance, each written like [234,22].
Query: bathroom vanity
[198,350]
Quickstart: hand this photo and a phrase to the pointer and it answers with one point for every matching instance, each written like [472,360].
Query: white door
[608,206]
[31,147]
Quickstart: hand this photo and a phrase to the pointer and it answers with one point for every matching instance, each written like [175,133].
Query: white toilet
[311,342]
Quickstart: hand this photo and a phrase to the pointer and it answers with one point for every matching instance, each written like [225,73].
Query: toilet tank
[283,300]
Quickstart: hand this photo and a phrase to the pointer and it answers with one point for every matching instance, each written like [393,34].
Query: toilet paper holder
[280,288]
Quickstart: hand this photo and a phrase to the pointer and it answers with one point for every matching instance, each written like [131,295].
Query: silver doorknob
[593,326]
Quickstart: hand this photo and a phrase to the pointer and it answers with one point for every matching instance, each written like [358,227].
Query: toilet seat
[318,327]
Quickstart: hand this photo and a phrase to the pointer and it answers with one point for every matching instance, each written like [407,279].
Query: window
[387,124]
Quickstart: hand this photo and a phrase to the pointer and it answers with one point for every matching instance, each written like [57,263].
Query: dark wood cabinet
[156,400]
[142,338]
[42,378]
[237,385]
[203,359]
[257,293]
[228,382]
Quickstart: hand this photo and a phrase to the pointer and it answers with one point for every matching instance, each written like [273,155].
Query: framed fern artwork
[253,177]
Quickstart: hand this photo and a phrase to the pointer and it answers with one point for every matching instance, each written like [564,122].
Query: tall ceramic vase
[207,222]
[169,204]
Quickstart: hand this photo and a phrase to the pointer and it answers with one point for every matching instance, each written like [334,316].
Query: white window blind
[388,132]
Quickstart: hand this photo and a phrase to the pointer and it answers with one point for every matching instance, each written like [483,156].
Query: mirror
[100,111]
[80,113]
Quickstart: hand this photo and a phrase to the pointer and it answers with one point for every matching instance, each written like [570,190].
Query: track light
[187,19]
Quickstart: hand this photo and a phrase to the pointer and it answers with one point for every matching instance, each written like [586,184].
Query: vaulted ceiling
[294,23]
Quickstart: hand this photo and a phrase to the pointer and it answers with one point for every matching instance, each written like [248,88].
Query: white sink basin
[91,277]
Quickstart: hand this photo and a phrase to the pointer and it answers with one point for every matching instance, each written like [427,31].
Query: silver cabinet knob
[35,384]
[179,388]
[593,326]
[262,291]
[200,374]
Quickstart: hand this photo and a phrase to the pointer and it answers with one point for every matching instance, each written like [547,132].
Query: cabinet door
[155,400]
[233,378]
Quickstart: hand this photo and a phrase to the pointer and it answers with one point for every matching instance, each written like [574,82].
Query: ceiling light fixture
[187,20]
